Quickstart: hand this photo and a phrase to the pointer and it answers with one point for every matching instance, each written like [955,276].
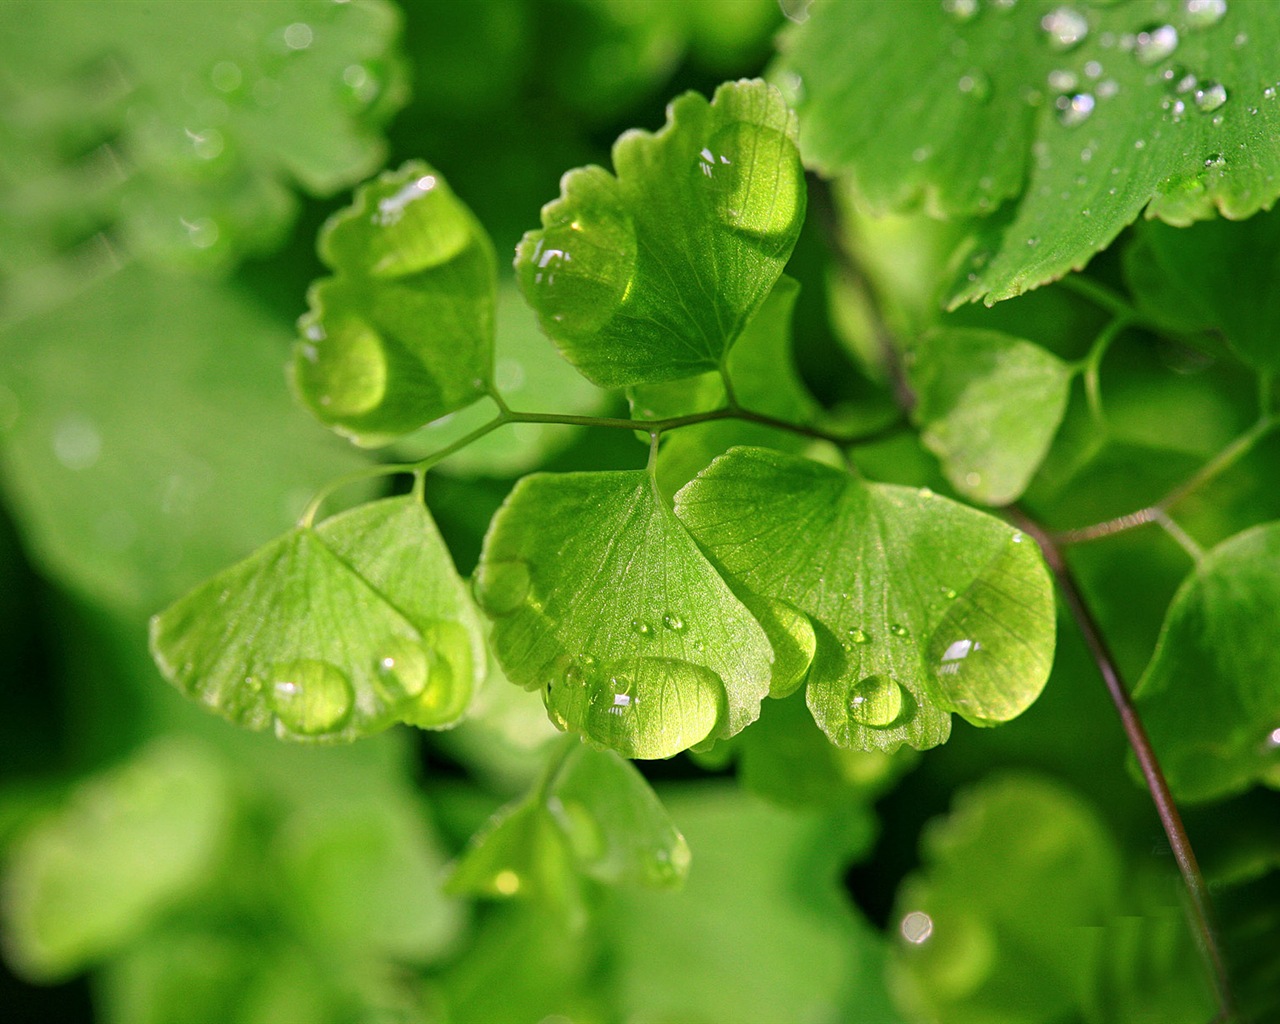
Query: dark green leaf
[1210,698]
[331,633]
[1088,116]
[989,405]
[1218,275]
[651,275]
[922,606]
[602,601]
[403,334]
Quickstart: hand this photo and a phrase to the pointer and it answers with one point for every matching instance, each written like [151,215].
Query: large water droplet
[309,698]
[1155,44]
[877,702]
[342,367]
[1075,109]
[402,669]
[755,180]
[577,271]
[1065,28]
[502,585]
[1203,13]
[1210,96]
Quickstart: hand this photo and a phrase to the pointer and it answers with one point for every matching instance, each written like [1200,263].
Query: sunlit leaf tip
[331,633]
[650,275]
[402,334]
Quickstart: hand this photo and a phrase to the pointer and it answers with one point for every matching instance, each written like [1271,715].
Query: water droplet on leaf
[673,623]
[641,627]
[503,585]
[755,181]
[899,630]
[1210,96]
[1065,28]
[403,669]
[859,636]
[1074,110]
[1203,13]
[916,927]
[1155,44]
[309,698]
[876,702]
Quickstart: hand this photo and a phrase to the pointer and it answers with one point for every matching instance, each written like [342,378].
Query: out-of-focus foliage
[165,171]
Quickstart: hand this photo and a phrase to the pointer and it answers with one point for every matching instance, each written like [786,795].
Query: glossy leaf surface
[601,600]
[921,606]
[331,633]
[651,275]
[403,333]
[989,405]
[1211,696]
[1089,114]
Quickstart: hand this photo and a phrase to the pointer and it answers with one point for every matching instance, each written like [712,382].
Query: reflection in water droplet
[1065,27]
[1155,44]
[403,669]
[1203,13]
[955,653]
[1210,96]
[391,208]
[309,697]
[755,181]
[916,927]
[673,623]
[876,701]
[1273,738]
[1074,110]
[345,372]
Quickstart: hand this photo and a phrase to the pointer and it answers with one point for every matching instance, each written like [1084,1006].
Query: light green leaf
[989,405]
[148,438]
[128,844]
[1216,275]
[1210,698]
[651,275]
[592,813]
[403,334]
[331,633]
[601,599]
[188,152]
[922,606]
[1020,872]
[1089,116]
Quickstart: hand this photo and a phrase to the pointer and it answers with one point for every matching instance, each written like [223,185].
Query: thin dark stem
[1201,909]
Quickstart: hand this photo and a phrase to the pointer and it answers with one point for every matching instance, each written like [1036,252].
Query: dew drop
[1155,44]
[345,371]
[961,10]
[876,702]
[403,669]
[309,697]
[673,622]
[916,927]
[641,627]
[1269,93]
[899,630]
[1074,110]
[949,593]
[1065,28]
[1203,13]
[859,636]
[1063,80]
[1186,84]
[1210,96]
[502,585]
[754,180]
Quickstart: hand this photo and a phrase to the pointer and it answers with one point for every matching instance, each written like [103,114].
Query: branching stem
[1159,512]
[1200,908]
